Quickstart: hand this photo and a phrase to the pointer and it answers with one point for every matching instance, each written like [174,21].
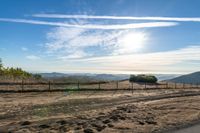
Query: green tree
[37,76]
[143,78]
[16,73]
[1,65]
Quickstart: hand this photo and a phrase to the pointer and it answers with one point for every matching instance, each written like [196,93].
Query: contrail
[194,19]
[93,26]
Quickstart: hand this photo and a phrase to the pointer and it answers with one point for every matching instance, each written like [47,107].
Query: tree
[143,78]
[1,65]
[37,76]
[16,73]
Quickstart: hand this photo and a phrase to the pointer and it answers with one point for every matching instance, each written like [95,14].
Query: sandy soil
[140,112]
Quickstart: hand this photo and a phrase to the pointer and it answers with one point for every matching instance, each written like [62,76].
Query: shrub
[16,73]
[143,78]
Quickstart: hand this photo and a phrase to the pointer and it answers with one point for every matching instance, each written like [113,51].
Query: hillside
[162,77]
[193,78]
[84,76]
[97,77]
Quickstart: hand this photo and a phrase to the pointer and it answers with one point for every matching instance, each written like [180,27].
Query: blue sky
[104,36]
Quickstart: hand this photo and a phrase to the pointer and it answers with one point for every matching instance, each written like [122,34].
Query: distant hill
[193,78]
[162,77]
[53,75]
[85,76]
[97,77]
[111,76]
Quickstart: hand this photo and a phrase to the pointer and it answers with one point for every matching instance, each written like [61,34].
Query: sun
[132,42]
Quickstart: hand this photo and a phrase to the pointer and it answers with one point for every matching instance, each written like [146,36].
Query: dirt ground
[108,112]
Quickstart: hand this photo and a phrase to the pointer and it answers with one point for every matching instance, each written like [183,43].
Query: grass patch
[42,112]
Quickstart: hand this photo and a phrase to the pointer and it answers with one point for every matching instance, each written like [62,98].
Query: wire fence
[24,86]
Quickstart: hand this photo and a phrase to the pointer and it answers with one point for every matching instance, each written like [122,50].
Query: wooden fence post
[167,86]
[117,84]
[145,85]
[99,85]
[78,85]
[49,86]
[132,86]
[183,85]
[22,85]
[175,85]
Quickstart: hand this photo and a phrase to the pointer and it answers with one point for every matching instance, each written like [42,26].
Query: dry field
[142,111]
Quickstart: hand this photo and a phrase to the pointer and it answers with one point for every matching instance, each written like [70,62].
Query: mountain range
[192,78]
[97,77]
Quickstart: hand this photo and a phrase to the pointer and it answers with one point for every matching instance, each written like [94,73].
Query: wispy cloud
[32,57]
[195,19]
[24,49]
[158,61]
[94,26]
[105,49]
[77,43]
[182,60]
[71,44]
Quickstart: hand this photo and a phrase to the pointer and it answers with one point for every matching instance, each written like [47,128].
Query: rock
[101,113]
[115,117]
[80,123]
[141,122]
[100,118]
[64,129]
[123,128]
[24,123]
[150,120]
[44,126]
[88,130]
[122,118]
[77,128]
[71,123]
[122,108]
[106,121]
[62,122]
[99,127]
[110,125]
[85,125]
[129,111]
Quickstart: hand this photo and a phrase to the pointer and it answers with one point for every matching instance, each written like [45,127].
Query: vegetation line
[10,73]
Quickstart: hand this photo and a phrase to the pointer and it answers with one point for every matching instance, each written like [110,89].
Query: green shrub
[16,73]
[143,78]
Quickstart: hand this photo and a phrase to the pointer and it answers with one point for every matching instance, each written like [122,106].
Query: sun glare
[132,42]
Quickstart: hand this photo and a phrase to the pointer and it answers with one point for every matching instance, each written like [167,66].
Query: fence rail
[50,86]
[47,83]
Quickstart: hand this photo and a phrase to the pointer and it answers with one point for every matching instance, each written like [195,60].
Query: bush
[37,76]
[143,78]
[16,73]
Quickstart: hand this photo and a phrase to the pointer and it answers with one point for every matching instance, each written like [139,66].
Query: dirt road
[153,111]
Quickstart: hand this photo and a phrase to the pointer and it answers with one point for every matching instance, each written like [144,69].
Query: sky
[101,36]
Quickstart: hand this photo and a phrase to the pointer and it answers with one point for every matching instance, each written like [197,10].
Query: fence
[24,86]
